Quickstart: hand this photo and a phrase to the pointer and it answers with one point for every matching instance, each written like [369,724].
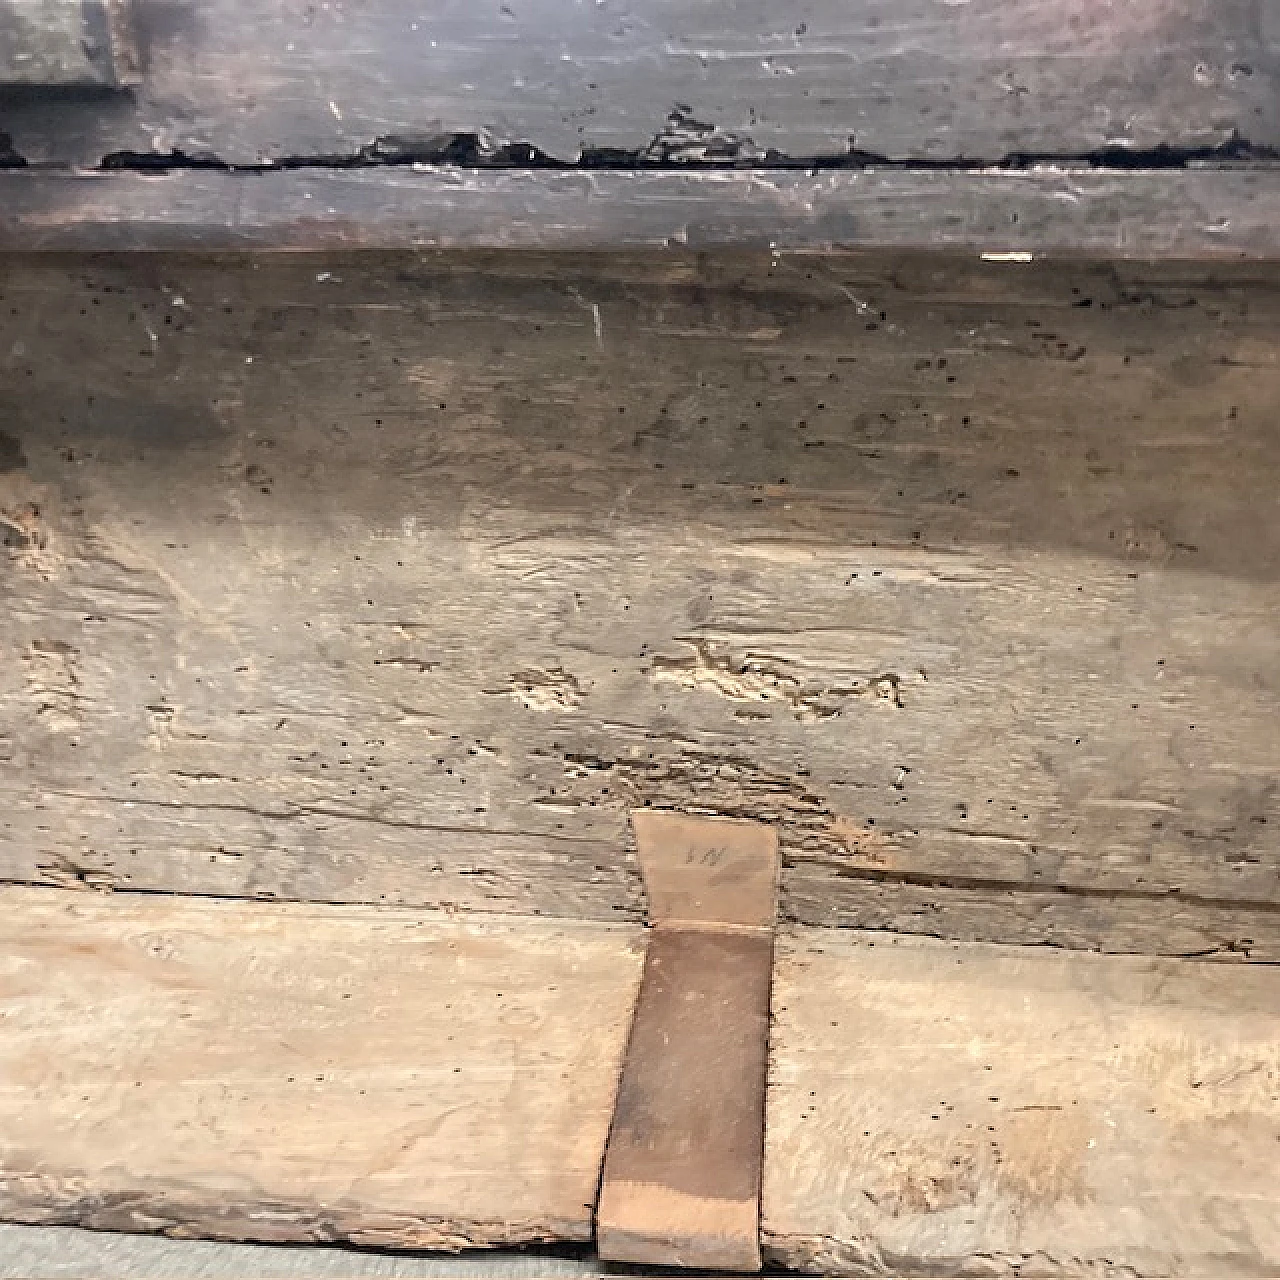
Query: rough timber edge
[1006,215]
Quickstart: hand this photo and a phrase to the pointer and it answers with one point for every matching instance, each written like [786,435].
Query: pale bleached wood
[970,1109]
[294,1072]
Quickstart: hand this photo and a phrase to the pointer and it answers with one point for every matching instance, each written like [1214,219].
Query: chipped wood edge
[185,1212]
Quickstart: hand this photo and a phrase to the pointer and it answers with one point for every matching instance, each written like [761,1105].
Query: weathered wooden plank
[961,1109]
[1053,210]
[270,1072]
[401,580]
[75,1253]
[906,78]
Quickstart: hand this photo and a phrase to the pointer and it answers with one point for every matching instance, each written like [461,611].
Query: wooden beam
[408,1079]
[907,79]
[404,579]
[945,1109]
[1053,211]
[397,1079]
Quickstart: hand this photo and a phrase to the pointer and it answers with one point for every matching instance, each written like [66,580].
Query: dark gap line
[683,144]
[925,880]
[470,151]
[943,883]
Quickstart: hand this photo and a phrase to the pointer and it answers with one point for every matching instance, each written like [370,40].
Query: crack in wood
[688,144]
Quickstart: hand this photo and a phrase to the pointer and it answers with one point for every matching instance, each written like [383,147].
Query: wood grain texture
[906,78]
[959,1109]
[1049,210]
[401,580]
[254,1071]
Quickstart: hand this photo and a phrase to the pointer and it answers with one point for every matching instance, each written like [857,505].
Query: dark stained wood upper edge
[1155,214]
[912,80]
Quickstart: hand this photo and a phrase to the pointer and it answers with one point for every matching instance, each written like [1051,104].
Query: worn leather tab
[710,870]
[681,1183]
